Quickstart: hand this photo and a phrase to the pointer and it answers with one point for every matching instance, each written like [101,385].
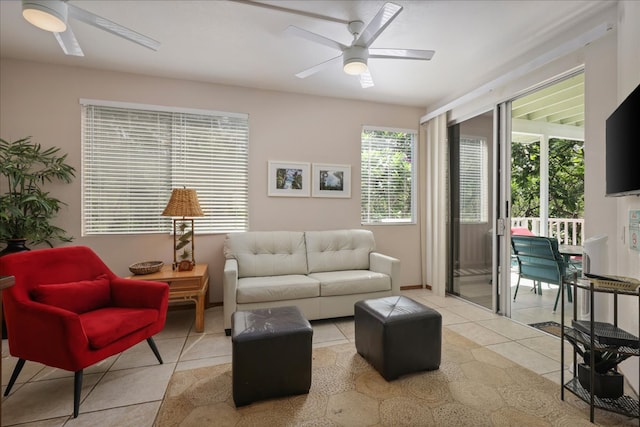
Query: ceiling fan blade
[401,53]
[294,11]
[112,27]
[68,42]
[383,18]
[317,38]
[366,80]
[316,68]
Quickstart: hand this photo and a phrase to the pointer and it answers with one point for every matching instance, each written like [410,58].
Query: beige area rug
[473,387]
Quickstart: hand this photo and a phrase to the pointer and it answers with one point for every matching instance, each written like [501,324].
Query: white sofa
[321,272]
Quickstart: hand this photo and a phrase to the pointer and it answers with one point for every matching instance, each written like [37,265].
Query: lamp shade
[47,15]
[183,202]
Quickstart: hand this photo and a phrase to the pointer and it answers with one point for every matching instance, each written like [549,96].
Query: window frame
[218,143]
[413,197]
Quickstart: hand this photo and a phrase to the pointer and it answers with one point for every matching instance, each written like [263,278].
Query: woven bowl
[146,267]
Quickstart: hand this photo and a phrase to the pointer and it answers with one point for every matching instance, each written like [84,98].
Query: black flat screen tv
[623,148]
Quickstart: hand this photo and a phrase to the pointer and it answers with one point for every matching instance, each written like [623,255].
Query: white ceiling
[238,44]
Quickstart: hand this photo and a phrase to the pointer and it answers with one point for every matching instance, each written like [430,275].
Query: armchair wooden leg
[152,344]
[77,391]
[14,376]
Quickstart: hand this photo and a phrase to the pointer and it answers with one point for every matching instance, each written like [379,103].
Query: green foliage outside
[387,176]
[566,179]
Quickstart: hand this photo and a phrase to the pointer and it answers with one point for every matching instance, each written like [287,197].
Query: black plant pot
[15,245]
[609,385]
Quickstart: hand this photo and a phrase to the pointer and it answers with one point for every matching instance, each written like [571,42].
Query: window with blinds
[388,176]
[474,207]
[133,156]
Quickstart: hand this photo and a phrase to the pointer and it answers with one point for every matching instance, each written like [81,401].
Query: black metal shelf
[573,335]
[598,337]
[625,405]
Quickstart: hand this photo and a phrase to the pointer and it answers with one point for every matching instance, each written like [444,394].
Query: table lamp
[183,203]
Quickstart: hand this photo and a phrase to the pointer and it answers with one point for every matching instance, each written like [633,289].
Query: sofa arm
[229,289]
[388,265]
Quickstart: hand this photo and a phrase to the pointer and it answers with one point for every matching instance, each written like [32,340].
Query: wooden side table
[184,286]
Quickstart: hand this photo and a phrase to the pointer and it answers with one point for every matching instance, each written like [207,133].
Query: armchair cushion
[108,325]
[79,297]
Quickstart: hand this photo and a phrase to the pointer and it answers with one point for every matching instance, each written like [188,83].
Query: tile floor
[127,389]
[530,307]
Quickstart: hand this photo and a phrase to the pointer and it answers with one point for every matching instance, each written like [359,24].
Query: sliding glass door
[518,168]
[546,183]
[471,228]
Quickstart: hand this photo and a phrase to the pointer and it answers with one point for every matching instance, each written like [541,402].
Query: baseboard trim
[409,287]
[219,303]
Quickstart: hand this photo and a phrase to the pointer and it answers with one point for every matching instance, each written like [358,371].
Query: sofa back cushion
[338,250]
[267,253]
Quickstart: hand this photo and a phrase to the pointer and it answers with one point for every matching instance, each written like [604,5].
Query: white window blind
[134,157]
[473,180]
[387,182]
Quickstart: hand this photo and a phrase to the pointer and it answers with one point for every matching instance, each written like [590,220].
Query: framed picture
[331,180]
[288,179]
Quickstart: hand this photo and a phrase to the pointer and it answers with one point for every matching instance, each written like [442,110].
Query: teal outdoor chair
[539,260]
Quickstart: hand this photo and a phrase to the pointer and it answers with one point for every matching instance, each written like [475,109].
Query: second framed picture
[331,180]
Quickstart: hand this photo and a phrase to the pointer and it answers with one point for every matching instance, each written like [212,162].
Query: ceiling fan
[52,15]
[355,56]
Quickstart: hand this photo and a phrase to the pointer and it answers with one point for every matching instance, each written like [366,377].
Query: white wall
[625,261]
[600,101]
[42,101]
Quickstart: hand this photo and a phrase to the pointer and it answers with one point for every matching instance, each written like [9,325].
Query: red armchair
[68,310]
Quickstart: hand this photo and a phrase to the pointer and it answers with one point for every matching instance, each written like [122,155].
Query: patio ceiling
[556,110]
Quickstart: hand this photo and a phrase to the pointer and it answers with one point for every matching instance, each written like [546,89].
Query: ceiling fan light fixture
[46,15]
[355,67]
[355,60]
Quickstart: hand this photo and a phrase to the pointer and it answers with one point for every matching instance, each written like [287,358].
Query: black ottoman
[271,354]
[398,335]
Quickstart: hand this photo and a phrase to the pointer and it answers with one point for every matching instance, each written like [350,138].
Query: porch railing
[568,231]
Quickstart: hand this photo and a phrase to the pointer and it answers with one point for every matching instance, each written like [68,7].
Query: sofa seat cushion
[276,288]
[107,325]
[350,282]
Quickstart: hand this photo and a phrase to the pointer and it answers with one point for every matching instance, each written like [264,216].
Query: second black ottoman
[271,354]
[398,335]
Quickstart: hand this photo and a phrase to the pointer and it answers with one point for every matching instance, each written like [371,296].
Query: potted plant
[26,209]
[608,382]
